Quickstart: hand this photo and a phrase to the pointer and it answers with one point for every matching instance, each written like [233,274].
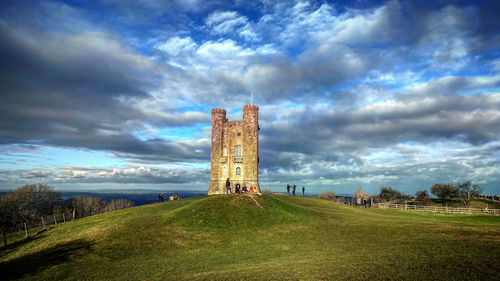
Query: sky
[118,94]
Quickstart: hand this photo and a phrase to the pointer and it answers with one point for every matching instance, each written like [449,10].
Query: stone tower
[235,150]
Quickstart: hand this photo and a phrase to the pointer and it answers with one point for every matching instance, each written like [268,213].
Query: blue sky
[118,94]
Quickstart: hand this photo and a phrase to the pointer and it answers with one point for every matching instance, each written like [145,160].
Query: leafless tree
[467,191]
[330,195]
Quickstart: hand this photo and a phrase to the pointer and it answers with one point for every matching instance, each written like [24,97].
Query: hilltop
[260,238]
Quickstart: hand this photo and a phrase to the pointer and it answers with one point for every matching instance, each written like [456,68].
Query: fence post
[64,218]
[55,221]
[43,222]
[25,230]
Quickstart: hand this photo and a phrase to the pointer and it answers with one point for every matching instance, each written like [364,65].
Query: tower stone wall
[228,139]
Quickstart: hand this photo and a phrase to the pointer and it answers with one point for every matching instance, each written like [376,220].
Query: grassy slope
[229,237]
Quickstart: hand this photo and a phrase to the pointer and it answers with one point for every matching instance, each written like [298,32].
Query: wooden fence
[450,210]
[43,221]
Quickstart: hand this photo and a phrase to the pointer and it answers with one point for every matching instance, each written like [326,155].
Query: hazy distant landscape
[137,196]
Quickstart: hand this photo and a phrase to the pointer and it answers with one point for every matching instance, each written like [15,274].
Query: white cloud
[231,23]
[177,45]
[225,22]
[75,174]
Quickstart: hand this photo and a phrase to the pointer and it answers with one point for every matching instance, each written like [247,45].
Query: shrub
[422,196]
[445,192]
[330,195]
[266,191]
[388,194]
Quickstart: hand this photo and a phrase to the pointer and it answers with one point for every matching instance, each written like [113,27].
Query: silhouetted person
[160,197]
[293,189]
[245,188]
[238,190]
[303,190]
[228,186]
[288,189]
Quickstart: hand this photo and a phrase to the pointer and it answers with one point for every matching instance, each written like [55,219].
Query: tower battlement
[234,151]
[218,110]
[250,107]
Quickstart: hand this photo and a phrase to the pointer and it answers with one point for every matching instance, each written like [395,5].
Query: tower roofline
[218,110]
[250,107]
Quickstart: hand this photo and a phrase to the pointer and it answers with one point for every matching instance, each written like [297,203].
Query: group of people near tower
[294,187]
[238,188]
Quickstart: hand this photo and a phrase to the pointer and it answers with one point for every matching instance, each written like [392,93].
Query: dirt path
[252,197]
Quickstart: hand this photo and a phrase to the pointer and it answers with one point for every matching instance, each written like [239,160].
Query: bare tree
[8,214]
[466,191]
[266,191]
[25,202]
[118,204]
[360,193]
[46,199]
[330,195]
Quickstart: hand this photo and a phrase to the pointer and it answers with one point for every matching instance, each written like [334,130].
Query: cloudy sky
[118,94]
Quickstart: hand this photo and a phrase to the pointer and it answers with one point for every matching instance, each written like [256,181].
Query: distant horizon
[344,191]
[138,191]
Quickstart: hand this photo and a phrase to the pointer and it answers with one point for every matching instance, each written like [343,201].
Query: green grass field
[288,238]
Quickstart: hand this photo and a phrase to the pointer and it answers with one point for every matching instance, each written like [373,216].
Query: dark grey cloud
[404,142]
[83,90]
[474,119]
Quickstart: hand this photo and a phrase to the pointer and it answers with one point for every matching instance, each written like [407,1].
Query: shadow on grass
[28,264]
[12,246]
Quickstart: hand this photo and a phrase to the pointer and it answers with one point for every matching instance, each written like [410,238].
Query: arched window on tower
[237,151]
[225,151]
[238,170]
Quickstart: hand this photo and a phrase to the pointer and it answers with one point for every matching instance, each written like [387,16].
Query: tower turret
[218,120]
[251,145]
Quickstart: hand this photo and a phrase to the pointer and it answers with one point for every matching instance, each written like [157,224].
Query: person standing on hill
[288,189]
[293,189]
[228,186]
[303,190]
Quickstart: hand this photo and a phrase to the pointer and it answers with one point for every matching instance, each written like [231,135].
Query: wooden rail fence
[450,210]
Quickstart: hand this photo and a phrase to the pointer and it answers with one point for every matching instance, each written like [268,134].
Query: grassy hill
[266,238]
